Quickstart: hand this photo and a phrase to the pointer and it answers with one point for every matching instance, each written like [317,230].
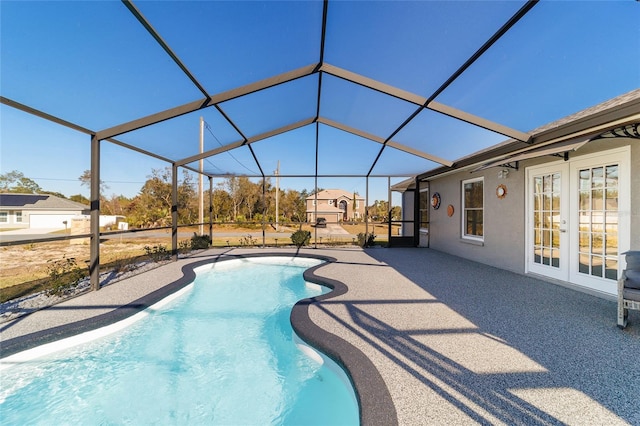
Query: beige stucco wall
[504,219]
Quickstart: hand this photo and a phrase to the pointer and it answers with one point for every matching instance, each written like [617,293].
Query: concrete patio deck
[454,342]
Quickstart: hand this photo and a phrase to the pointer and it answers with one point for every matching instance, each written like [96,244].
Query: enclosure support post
[315,194]
[211,209]
[417,218]
[94,248]
[200,182]
[366,211]
[264,210]
[174,212]
[389,208]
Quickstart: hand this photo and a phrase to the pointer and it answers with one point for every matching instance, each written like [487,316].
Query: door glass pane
[537,203]
[584,200]
[537,254]
[597,177]
[537,184]
[583,266]
[596,243]
[596,266]
[612,176]
[556,183]
[612,199]
[584,180]
[555,258]
[546,216]
[596,199]
[584,242]
[612,244]
[611,271]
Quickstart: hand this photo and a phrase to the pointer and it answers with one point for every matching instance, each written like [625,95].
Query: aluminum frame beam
[381,141]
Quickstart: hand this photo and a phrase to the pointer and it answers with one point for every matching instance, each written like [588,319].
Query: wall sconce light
[503,174]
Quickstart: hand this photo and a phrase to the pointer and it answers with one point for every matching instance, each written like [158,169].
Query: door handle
[563,230]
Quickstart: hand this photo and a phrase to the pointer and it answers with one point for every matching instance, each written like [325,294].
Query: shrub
[248,241]
[366,240]
[63,274]
[301,238]
[157,253]
[200,241]
[184,246]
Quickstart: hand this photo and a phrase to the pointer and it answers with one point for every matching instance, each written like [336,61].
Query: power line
[77,180]
[206,126]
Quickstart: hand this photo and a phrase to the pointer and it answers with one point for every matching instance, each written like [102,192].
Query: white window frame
[18,216]
[4,217]
[463,223]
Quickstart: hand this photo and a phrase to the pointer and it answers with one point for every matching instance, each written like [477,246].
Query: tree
[245,197]
[222,204]
[396,213]
[294,205]
[152,206]
[85,180]
[15,181]
[117,205]
[79,198]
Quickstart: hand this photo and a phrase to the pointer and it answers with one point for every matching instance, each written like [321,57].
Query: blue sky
[93,64]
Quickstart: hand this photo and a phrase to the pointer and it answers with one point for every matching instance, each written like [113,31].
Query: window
[473,209]
[18,217]
[4,217]
[424,208]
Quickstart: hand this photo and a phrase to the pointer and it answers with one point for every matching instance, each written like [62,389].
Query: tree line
[235,199]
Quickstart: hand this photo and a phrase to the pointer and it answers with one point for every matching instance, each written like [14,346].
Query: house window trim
[4,217]
[463,225]
[19,217]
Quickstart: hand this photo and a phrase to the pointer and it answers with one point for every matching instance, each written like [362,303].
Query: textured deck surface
[455,342]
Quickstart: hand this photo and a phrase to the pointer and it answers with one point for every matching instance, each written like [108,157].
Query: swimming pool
[222,352]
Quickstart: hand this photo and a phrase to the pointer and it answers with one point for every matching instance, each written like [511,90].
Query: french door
[548,224]
[577,221]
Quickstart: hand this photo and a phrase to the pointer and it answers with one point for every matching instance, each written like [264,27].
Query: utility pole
[277,173]
[200,180]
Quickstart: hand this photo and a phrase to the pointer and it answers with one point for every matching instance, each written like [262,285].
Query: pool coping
[374,399]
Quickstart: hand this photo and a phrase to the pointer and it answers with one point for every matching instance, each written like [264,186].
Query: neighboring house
[335,205]
[20,211]
[564,209]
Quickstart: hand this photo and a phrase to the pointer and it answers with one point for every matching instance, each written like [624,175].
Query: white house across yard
[38,211]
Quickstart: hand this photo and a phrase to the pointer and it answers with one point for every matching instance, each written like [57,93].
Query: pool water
[222,353]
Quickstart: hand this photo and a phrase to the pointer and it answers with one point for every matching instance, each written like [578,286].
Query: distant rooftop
[39,202]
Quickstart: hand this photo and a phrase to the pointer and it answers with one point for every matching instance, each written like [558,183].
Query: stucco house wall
[504,243]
